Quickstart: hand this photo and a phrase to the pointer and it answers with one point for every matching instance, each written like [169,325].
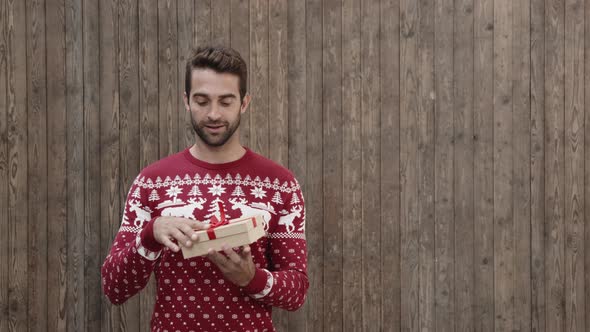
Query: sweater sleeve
[284,284]
[134,253]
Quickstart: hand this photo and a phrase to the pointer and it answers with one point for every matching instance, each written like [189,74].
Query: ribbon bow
[214,222]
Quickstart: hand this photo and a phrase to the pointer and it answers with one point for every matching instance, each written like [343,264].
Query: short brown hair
[220,59]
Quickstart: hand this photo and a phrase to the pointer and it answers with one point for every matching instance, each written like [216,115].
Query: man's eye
[202,103]
[224,104]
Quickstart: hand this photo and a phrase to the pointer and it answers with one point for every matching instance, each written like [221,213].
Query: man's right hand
[168,230]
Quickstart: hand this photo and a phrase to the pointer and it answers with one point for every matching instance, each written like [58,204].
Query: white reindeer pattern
[287,219]
[248,211]
[141,215]
[185,211]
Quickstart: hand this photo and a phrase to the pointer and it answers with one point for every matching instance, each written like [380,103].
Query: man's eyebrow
[200,94]
[228,95]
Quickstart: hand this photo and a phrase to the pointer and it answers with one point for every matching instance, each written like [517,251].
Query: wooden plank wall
[443,147]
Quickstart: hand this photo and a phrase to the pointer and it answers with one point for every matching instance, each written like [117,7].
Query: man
[231,290]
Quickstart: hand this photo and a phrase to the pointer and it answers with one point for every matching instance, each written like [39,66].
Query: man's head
[215,94]
[221,60]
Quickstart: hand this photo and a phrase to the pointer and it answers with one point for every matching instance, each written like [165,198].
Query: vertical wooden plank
[537,166]
[351,165]
[297,115]
[554,166]
[483,187]
[574,166]
[259,120]
[185,44]
[240,41]
[409,227]
[463,164]
[332,162]
[521,119]
[75,167]
[17,165]
[128,71]
[56,166]
[4,171]
[390,161]
[109,145]
[370,162]
[503,177]
[426,163]
[220,22]
[314,212]
[202,25]
[37,170]
[277,82]
[444,170]
[93,238]
[148,127]
[277,103]
[587,160]
[167,78]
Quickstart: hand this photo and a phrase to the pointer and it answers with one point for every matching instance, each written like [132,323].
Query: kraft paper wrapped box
[234,233]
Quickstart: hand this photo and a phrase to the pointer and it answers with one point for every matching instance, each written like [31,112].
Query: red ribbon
[214,222]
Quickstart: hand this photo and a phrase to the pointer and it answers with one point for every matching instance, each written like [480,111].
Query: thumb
[199,225]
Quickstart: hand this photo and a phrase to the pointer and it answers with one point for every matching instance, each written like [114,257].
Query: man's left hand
[237,267]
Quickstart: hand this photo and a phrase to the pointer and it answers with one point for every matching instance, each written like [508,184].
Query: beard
[219,139]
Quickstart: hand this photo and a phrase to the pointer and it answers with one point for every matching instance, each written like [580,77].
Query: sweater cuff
[147,245]
[260,285]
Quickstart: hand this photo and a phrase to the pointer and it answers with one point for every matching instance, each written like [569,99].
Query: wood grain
[554,167]
[444,196]
[314,213]
[409,227]
[56,167]
[91,230]
[351,166]
[148,127]
[240,41]
[17,165]
[167,77]
[37,169]
[4,171]
[537,100]
[185,10]
[483,187]
[128,70]
[75,168]
[574,166]
[202,24]
[297,116]
[110,207]
[259,57]
[521,168]
[586,163]
[332,164]
[389,164]
[463,66]
[504,241]
[370,187]
[220,22]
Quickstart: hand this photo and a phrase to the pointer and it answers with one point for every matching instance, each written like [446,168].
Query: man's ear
[245,103]
[186,102]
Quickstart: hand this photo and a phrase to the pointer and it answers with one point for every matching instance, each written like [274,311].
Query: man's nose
[214,112]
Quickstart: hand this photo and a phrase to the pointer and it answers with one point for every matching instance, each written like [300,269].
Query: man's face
[214,105]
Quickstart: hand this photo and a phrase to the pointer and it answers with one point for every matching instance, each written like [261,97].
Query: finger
[168,243]
[181,238]
[188,231]
[231,254]
[198,225]
[246,252]
[217,258]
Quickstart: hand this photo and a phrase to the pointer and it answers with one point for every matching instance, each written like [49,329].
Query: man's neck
[226,153]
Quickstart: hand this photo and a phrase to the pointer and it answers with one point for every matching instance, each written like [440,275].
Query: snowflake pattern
[216,190]
[258,192]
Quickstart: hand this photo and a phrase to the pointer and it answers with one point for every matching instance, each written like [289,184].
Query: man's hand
[169,229]
[237,267]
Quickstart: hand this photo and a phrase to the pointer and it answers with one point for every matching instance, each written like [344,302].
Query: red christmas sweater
[192,294]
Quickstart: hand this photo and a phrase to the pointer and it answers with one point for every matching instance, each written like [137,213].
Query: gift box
[233,233]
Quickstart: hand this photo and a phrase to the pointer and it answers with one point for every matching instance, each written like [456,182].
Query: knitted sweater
[192,294]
